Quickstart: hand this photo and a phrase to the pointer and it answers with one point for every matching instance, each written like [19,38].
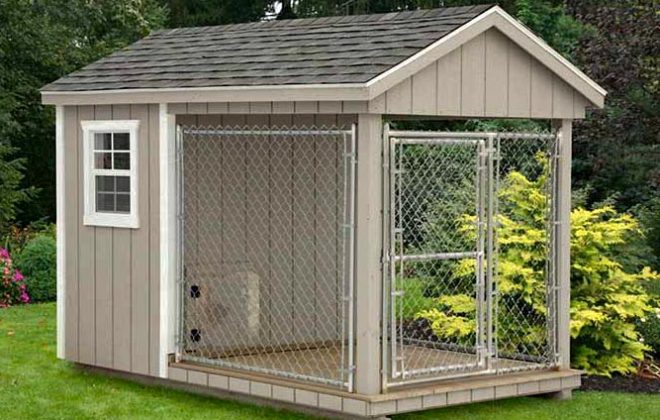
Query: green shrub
[649,328]
[416,300]
[37,262]
[606,299]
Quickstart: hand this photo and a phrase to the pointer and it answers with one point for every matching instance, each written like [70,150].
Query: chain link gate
[266,249]
[469,234]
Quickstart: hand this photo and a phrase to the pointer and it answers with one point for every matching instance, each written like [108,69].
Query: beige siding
[489,76]
[112,274]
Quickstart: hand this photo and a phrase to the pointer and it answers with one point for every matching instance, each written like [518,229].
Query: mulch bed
[630,383]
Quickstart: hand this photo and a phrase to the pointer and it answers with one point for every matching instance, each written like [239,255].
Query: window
[110,149]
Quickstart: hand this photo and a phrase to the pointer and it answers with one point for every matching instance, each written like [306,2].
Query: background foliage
[615,41]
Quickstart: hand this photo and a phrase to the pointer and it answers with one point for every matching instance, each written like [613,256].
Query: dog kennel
[266,253]
[250,210]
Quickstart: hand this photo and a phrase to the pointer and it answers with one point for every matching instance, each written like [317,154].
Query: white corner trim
[167,156]
[59,222]
[91,217]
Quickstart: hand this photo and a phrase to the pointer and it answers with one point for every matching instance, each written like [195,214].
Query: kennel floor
[326,362]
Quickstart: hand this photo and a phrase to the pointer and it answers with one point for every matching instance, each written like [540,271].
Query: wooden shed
[240,213]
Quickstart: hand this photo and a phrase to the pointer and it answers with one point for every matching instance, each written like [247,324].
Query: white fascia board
[517,32]
[312,92]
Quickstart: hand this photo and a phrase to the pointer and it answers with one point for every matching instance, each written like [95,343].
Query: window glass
[121,141]
[123,203]
[105,202]
[122,160]
[112,154]
[123,184]
[103,160]
[102,141]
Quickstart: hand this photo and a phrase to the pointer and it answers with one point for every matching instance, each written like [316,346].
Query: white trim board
[59,222]
[167,305]
[493,17]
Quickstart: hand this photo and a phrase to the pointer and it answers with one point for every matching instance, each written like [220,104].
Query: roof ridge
[331,20]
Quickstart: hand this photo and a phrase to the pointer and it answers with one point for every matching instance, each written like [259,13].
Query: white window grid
[93,216]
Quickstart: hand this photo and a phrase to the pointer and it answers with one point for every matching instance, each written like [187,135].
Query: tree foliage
[215,12]
[617,149]
[11,193]
[41,41]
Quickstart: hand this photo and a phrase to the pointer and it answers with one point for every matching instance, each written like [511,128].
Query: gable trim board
[493,17]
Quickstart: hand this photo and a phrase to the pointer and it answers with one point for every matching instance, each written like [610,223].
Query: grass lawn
[34,384]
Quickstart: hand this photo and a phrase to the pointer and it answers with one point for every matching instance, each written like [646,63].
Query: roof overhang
[494,17]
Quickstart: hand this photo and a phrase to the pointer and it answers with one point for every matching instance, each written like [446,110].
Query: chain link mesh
[266,277]
[471,253]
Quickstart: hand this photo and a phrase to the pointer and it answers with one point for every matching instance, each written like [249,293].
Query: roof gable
[515,31]
[489,76]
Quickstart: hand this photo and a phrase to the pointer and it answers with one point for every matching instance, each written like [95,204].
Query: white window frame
[91,216]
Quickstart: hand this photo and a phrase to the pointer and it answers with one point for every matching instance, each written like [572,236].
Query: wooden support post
[563,254]
[368,236]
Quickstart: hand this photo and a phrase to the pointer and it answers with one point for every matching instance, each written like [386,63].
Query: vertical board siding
[519,83]
[424,90]
[139,265]
[541,91]
[449,83]
[304,293]
[473,76]
[121,280]
[281,231]
[113,272]
[497,73]
[86,259]
[562,99]
[71,221]
[488,76]
[399,98]
[326,221]
[103,264]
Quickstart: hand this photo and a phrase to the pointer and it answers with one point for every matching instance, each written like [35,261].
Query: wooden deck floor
[327,363]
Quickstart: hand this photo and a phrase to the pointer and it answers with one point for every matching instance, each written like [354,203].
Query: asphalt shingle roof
[346,49]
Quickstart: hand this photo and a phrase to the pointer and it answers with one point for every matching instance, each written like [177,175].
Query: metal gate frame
[348,156]
[487,167]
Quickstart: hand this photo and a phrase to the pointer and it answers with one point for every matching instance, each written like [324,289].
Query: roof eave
[274,93]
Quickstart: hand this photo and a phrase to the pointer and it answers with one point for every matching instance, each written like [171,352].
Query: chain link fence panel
[471,286]
[266,246]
